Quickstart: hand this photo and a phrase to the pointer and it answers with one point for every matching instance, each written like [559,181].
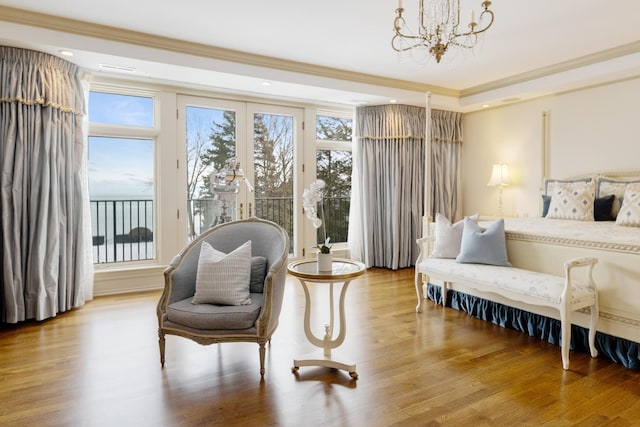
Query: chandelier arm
[437,40]
[422,29]
[419,42]
[482,30]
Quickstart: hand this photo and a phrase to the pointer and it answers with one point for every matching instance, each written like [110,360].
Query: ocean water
[122,229]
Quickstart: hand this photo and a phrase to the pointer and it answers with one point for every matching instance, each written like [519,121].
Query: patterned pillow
[601,207]
[629,214]
[617,187]
[223,278]
[448,237]
[572,201]
[550,183]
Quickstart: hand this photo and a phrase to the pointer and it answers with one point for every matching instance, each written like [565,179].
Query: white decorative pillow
[223,279]
[629,214]
[617,187]
[448,237]
[572,201]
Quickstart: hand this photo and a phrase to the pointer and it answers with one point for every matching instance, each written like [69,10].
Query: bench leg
[595,313]
[445,285]
[418,280]
[565,327]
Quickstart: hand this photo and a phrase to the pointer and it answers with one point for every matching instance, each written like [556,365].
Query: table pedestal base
[341,271]
[315,359]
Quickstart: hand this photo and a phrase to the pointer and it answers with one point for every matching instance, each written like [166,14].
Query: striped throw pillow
[223,279]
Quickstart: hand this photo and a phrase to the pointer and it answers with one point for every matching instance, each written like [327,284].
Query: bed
[544,243]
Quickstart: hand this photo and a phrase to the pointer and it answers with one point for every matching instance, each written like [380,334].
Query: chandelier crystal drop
[438,22]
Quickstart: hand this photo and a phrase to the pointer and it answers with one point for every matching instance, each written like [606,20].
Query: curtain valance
[30,77]
[382,122]
[446,126]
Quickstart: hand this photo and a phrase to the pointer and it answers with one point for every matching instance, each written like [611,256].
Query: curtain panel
[387,185]
[46,264]
[446,156]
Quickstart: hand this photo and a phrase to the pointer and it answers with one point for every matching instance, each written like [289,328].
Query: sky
[120,168]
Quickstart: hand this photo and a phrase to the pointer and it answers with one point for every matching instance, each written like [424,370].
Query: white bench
[528,288]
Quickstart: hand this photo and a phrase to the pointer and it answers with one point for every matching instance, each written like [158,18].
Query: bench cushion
[530,285]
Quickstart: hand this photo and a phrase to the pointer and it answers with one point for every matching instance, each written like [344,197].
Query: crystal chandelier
[438,27]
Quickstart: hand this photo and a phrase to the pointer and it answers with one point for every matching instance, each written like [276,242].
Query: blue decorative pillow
[546,202]
[602,208]
[483,247]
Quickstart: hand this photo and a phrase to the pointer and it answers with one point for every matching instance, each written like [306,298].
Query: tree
[273,168]
[222,140]
[273,155]
[334,168]
[197,141]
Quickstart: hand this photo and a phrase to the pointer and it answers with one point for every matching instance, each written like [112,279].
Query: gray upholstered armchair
[210,323]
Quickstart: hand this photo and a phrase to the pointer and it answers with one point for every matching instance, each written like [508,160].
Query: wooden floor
[99,366]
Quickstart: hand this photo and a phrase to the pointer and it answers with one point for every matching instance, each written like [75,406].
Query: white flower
[310,199]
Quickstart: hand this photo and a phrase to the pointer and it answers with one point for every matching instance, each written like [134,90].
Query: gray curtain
[387,185]
[45,229]
[446,153]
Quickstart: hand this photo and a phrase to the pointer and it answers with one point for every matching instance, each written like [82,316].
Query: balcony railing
[123,230]
[278,210]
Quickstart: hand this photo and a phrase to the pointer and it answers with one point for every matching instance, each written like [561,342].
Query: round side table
[342,271]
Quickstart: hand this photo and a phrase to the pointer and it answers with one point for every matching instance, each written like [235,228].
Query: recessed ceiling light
[393,101]
[485,105]
[65,53]
[266,83]
[117,68]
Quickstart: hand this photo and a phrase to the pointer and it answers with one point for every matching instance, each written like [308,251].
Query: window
[333,166]
[211,141]
[124,110]
[121,177]
[258,140]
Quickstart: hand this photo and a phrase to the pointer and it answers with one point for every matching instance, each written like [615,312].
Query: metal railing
[278,210]
[122,230]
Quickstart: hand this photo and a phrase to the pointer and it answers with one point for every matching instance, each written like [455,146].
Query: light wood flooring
[99,366]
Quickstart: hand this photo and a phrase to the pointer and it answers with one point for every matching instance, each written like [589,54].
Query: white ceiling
[338,51]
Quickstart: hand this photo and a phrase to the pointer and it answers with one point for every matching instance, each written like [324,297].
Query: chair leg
[161,344]
[262,353]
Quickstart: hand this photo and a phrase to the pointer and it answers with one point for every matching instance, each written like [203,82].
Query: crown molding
[560,67]
[72,26]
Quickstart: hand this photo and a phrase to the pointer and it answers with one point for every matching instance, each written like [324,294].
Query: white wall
[590,130]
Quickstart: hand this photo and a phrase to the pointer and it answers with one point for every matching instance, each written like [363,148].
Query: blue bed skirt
[618,350]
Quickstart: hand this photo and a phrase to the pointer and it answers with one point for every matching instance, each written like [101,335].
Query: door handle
[249,210]
[240,210]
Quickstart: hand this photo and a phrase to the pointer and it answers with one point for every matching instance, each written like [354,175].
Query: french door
[240,161]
